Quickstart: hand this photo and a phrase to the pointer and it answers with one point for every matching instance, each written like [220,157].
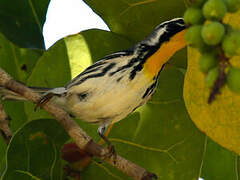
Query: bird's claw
[154,176]
[149,176]
[111,153]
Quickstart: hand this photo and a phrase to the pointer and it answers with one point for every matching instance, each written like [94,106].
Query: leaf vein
[15,59]
[236,166]
[150,148]
[28,173]
[203,155]
[35,15]
[107,170]
[136,4]
[164,102]
[54,160]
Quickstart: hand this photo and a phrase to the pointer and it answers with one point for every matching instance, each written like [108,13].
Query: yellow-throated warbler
[113,87]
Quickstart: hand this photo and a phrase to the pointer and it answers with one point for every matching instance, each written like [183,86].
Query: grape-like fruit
[207,61]
[193,36]
[193,16]
[231,44]
[212,33]
[232,5]
[233,79]
[211,77]
[214,9]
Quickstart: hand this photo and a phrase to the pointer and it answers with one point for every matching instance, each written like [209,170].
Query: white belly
[106,101]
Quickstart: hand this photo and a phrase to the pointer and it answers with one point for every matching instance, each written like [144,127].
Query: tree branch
[5,130]
[82,140]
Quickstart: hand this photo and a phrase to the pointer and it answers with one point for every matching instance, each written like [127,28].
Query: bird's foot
[111,153]
[149,176]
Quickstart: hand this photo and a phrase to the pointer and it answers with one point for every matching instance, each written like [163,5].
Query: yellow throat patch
[155,62]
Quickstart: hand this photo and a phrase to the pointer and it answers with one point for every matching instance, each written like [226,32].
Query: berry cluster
[216,41]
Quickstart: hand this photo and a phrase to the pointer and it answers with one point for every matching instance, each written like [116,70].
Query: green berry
[232,5]
[233,79]
[211,77]
[212,33]
[193,36]
[214,9]
[231,44]
[193,16]
[207,61]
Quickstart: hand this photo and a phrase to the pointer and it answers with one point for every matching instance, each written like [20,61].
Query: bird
[116,85]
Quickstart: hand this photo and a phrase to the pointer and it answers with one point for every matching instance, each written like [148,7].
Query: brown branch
[82,140]
[5,130]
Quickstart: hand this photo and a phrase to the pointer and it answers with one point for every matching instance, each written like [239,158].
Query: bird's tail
[6,94]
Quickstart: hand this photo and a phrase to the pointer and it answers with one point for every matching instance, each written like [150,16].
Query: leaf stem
[221,80]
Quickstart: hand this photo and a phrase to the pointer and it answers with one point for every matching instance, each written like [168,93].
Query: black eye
[82,96]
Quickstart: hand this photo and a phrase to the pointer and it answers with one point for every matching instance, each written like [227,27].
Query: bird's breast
[109,100]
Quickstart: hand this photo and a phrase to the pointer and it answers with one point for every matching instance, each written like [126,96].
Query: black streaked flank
[149,90]
[144,50]
[96,64]
[94,67]
[142,58]
[129,65]
[91,70]
[102,73]
[119,79]
[136,107]
[119,54]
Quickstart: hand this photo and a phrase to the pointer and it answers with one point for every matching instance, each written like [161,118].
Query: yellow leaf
[221,119]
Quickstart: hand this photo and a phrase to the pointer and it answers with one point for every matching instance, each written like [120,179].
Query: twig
[5,130]
[82,140]
[221,79]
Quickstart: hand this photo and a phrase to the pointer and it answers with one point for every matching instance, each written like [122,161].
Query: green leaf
[219,163]
[3,148]
[70,56]
[18,62]
[22,21]
[136,19]
[160,136]
[34,151]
